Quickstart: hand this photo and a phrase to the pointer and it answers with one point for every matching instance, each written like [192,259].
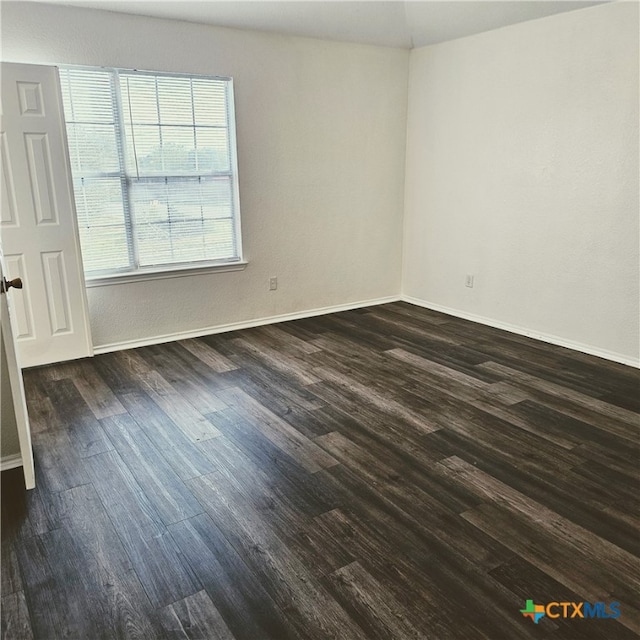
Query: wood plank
[61,467]
[15,617]
[49,613]
[248,487]
[10,575]
[580,501]
[450,375]
[603,409]
[613,463]
[210,378]
[93,389]
[254,376]
[373,538]
[336,348]
[310,546]
[162,571]
[184,380]
[308,607]
[424,316]
[122,601]
[494,491]
[573,430]
[114,368]
[345,413]
[580,573]
[32,512]
[413,504]
[383,403]
[407,327]
[42,413]
[449,587]
[512,415]
[277,336]
[153,554]
[247,609]
[184,456]
[351,326]
[280,470]
[589,561]
[126,609]
[371,605]
[15,524]
[277,360]
[81,511]
[208,355]
[476,429]
[194,618]
[192,423]
[281,433]
[77,418]
[88,600]
[462,358]
[164,489]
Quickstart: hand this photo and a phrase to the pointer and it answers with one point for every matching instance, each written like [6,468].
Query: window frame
[174,269]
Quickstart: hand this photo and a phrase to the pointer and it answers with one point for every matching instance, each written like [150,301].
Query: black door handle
[16,283]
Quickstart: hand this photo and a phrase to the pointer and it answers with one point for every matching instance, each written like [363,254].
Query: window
[154,170]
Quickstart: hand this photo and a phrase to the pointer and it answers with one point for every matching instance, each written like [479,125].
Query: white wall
[321,148]
[522,169]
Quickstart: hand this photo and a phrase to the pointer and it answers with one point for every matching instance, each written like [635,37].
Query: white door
[38,223]
[15,381]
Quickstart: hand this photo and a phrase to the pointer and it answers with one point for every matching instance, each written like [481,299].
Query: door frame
[17,387]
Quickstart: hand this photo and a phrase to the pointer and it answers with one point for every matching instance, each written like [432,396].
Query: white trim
[310,313]
[10,462]
[234,326]
[530,333]
[140,276]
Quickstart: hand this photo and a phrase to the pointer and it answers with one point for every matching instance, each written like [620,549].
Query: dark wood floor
[384,473]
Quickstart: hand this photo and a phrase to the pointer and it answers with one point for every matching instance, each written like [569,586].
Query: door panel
[38,223]
[22,315]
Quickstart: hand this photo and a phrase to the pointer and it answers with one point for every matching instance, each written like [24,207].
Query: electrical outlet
[468,282]
[273,283]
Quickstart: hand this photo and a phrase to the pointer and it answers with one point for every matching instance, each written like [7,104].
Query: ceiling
[382,22]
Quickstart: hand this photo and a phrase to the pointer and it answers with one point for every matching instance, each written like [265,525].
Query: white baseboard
[10,462]
[310,313]
[234,326]
[530,333]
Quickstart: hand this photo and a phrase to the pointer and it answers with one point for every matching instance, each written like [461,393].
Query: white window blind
[154,169]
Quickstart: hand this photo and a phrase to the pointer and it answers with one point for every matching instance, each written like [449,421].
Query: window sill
[181,272]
